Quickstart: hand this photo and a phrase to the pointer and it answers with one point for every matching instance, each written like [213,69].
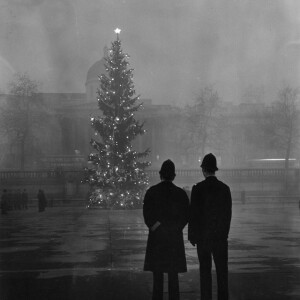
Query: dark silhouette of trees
[23,115]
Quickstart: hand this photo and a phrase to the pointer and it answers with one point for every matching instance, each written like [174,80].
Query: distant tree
[22,115]
[272,131]
[202,122]
[283,125]
[252,132]
[220,137]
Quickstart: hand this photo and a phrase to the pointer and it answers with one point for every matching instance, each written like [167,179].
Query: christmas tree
[118,177]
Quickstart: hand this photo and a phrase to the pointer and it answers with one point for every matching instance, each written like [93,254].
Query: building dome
[92,77]
[96,70]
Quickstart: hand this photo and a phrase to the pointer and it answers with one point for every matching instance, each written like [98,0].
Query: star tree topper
[117,30]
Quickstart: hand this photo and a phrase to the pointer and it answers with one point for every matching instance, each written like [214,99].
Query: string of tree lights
[117,173]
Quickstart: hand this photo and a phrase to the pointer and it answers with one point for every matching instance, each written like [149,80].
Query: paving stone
[77,253]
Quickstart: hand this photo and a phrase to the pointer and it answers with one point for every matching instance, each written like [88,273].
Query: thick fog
[175,46]
[213,70]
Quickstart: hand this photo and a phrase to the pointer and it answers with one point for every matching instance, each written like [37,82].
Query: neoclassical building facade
[65,140]
[69,134]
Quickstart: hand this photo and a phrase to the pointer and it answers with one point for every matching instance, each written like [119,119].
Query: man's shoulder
[154,187]
[180,192]
[151,188]
[159,186]
[223,184]
[205,182]
[178,188]
[198,185]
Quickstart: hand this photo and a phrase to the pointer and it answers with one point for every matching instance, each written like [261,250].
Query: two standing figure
[167,211]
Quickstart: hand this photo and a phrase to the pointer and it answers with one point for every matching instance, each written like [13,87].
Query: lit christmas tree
[118,177]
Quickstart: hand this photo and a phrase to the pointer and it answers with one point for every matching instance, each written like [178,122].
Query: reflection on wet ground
[71,253]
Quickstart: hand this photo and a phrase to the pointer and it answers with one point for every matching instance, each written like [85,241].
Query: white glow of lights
[117,30]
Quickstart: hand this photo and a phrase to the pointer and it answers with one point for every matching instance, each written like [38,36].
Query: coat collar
[211,178]
[166,182]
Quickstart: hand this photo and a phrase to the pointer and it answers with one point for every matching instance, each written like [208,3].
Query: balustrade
[68,183]
[228,173]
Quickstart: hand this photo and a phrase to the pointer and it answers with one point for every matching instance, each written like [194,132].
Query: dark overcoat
[168,204]
[42,201]
[210,211]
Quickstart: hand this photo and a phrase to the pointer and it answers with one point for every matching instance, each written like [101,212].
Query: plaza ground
[78,253]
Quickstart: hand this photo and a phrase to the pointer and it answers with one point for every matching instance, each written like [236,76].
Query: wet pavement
[77,253]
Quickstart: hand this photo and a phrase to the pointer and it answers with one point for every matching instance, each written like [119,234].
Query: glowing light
[117,30]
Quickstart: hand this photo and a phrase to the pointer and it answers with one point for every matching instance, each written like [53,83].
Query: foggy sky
[175,46]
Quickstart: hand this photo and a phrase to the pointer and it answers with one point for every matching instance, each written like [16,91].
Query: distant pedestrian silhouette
[4,202]
[10,200]
[209,225]
[166,214]
[24,199]
[42,201]
[18,199]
